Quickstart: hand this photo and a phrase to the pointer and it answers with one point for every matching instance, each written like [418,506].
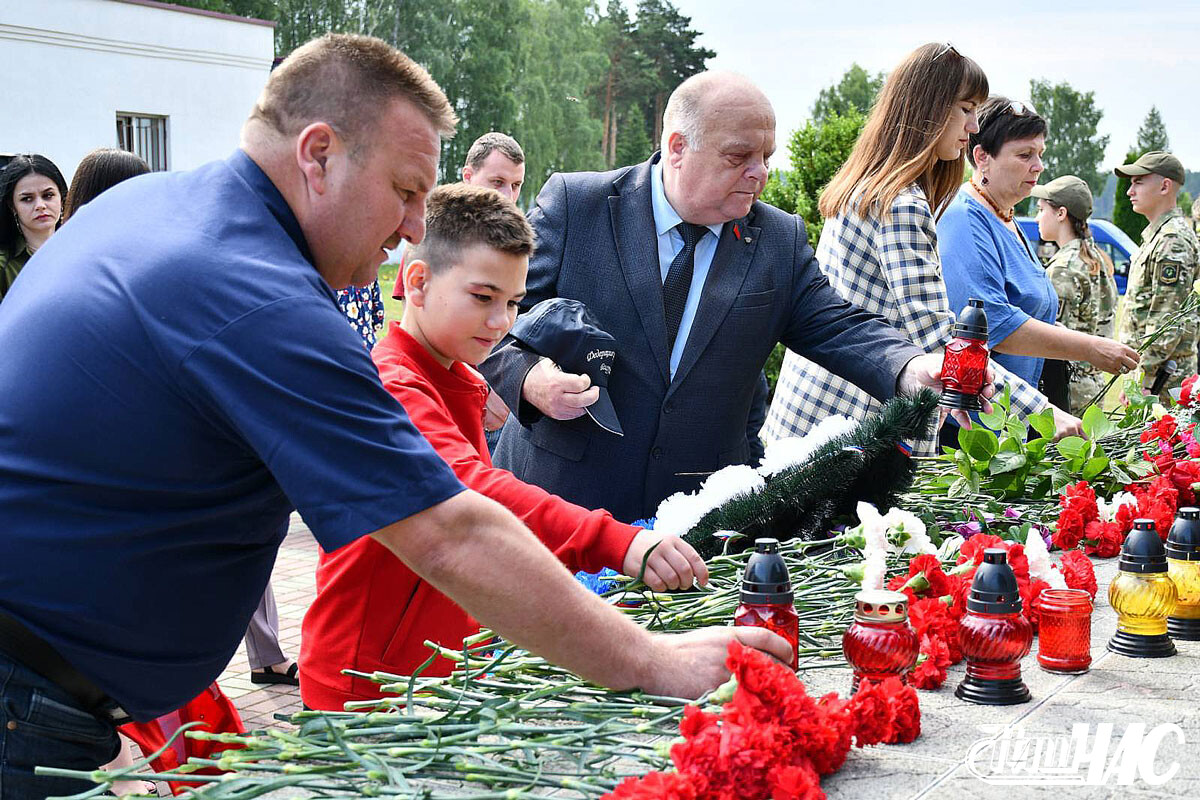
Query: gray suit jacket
[597,244]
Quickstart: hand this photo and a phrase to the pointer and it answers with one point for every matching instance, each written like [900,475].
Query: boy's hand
[672,565]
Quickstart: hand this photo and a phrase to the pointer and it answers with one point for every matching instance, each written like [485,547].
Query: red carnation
[1018,560]
[930,568]
[1082,499]
[930,673]
[899,583]
[1078,572]
[1126,514]
[794,782]
[654,786]
[931,617]
[960,590]
[1103,539]
[873,715]
[972,549]
[906,711]
[1186,393]
[1029,594]
[1069,530]
[1163,429]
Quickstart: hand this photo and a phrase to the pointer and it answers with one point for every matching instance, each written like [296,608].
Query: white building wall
[68,66]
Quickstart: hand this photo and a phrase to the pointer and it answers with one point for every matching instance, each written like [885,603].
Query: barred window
[145,135]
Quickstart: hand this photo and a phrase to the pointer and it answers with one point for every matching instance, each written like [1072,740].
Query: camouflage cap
[1157,162]
[1070,192]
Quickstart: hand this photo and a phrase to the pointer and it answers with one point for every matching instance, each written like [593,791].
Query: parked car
[1109,237]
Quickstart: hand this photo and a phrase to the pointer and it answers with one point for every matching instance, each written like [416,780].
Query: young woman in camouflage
[1082,275]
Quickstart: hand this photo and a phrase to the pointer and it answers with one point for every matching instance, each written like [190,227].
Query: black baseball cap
[565,332]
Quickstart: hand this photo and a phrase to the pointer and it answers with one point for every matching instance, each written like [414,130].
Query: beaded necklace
[1007,216]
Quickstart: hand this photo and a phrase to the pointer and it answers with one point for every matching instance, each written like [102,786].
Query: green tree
[856,91]
[1124,217]
[561,59]
[1153,133]
[633,143]
[668,42]
[256,9]
[1151,136]
[1073,147]
[817,152]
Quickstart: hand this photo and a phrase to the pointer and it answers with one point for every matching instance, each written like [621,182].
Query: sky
[1131,58]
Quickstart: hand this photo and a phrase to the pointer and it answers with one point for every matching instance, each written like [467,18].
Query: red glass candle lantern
[994,635]
[1064,630]
[879,643]
[964,363]
[766,596]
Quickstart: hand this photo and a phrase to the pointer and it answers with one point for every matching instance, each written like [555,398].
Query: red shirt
[372,612]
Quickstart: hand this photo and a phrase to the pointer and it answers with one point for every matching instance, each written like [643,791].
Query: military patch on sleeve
[1168,274]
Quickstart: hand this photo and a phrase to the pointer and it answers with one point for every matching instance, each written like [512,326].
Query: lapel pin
[737,233]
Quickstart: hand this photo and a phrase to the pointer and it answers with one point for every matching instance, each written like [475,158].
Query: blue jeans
[41,725]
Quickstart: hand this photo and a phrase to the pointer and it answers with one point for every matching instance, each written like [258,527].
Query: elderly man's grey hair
[685,112]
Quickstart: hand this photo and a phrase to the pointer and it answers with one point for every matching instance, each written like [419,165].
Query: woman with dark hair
[1082,275]
[985,255]
[101,169]
[879,245]
[31,191]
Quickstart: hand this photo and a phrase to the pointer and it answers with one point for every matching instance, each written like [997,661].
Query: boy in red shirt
[462,286]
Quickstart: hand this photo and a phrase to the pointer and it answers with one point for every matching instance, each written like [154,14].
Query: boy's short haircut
[347,81]
[459,216]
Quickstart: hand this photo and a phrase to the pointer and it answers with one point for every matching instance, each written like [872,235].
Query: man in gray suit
[697,281]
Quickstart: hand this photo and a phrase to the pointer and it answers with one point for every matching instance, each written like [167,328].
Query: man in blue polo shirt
[198,382]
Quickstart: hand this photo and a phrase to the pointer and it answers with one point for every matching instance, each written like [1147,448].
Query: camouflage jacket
[1160,277]
[1086,303]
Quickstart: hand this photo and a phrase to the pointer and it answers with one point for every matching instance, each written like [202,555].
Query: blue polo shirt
[177,377]
[984,259]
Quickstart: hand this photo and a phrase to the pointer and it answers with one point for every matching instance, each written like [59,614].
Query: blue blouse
[984,259]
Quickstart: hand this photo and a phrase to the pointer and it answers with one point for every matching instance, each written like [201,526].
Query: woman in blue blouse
[985,255]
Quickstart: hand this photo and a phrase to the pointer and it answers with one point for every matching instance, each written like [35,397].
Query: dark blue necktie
[679,279]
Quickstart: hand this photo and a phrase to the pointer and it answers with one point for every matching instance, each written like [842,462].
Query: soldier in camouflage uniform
[1162,272]
[1082,276]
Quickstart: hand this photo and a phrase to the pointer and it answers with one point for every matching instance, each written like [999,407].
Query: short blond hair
[348,81]
[459,216]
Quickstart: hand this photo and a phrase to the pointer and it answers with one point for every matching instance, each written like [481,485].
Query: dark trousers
[41,725]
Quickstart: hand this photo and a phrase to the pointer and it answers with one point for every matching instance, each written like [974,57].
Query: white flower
[1108,509]
[1055,578]
[910,531]
[950,547]
[874,529]
[874,570]
[680,512]
[1040,565]
[792,450]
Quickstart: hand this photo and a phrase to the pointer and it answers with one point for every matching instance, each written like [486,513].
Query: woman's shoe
[269,675]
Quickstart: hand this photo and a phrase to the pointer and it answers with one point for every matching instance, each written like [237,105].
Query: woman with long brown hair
[879,244]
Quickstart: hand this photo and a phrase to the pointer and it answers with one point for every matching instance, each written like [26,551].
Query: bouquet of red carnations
[771,739]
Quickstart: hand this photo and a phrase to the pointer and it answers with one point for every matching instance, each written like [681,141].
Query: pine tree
[1124,217]
[1151,136]
[1153,133]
